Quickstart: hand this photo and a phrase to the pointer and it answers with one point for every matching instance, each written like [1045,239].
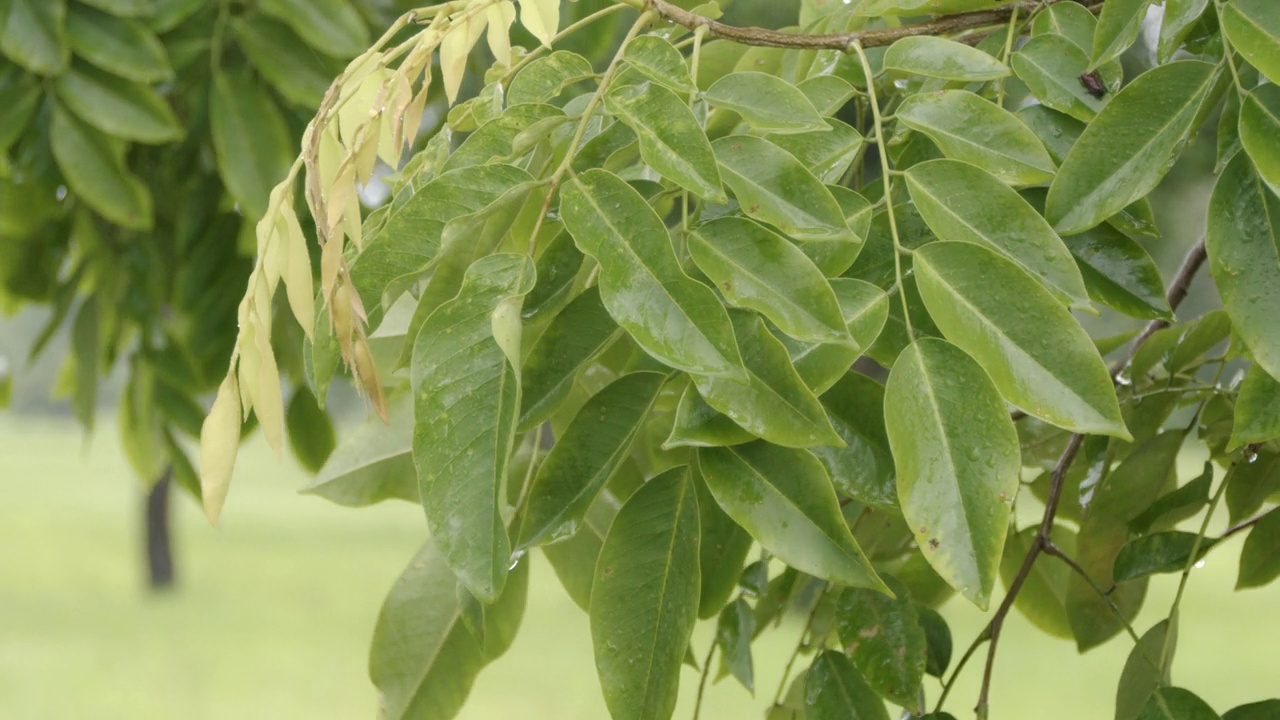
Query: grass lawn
[276,608]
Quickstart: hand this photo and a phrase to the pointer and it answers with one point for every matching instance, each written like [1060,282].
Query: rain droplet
[1123,378]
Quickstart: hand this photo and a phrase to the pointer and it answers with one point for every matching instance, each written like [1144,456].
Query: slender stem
[885,171]
[786,671]
[1051,549]
[1177,292]
[693,97]
[1008,50]
[964,660]
[1228,54]
[1166,652]
[845,42]
[702,683]
[1243,525]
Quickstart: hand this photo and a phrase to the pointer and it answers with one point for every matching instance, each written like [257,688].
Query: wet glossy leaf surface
[1129,146]
[784,498]
[585,456]
[1051,66]
[773,186]
[465,377]
[863,469]
[676,319]
[957,461]
[971,129]
[1260,132]
[766,102]
[964,203]
[644,600]
[941,58]
[883,637]
[755,268]
[1243,241]
[835,691]
[1160,553]
[1038,355]
[671,141]
[1253,27]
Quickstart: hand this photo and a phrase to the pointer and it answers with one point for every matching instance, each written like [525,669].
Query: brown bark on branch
[844,42]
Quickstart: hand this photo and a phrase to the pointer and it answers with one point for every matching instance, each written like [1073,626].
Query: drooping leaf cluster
[139,142]
[727,330]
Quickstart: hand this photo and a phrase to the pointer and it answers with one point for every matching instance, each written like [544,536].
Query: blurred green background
[275,608]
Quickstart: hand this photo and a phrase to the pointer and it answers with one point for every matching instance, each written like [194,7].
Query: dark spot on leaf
[606,573]
[933,543]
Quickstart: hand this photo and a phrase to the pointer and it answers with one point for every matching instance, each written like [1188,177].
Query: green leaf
[558,264]
[296,71]
[660,61]
[1171,703]
[1180,16]
[941,58]
[835,691]
[1037,355]
[1130,488]
[1103,173]
[885,642]
[1118,26]
[1197,338]
[1243,241]
[1043,597]
[863,469]
[784,498]
[1093,618]
[126,48]
[1260,556]
[966,127]
[123,8]
[497,137]
[865,308]
[20,95]
[574,558]
[957,460]
[35,36]
[755,268]
[573,339]
[1253,483]
[127,110]
[964,203]
[937,640]
[697,424]
[644,601]
[773,401]
[251,143]
[734,630]
[584,457]
[828,153]
[766,102]
[1257,417]
[170,13]
[1264,710]
[1141,675]
[423,659]
[923,7]
[413,236]
[373,464]
[1164,552]
[1051,66]
[1119,273]
[722,552]
[1253,27]
[546,77]
[311,434]
[1259,130]
[671,140]
[828,93]
[465,377]
[677,320]
[773,186]
[94,167]
[332,27]
[1176,505]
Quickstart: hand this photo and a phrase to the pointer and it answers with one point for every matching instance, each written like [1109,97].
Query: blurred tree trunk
[159,542]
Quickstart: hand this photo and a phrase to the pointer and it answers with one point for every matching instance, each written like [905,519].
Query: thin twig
[1177,292]
[844,42]
[1243,525]
[702,684]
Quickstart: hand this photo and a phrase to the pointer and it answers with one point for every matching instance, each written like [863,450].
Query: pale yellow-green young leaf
[330,266]
[365,155]
[219,439]
[501,16]
[360,97]
[298,284]
[541,18]
[351,219]
[390,139]
[247,369]
[337,200]
[269,403]
[506,327]
[455,48]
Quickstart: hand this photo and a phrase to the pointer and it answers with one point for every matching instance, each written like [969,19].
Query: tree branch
[1176,293]
[844,42]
